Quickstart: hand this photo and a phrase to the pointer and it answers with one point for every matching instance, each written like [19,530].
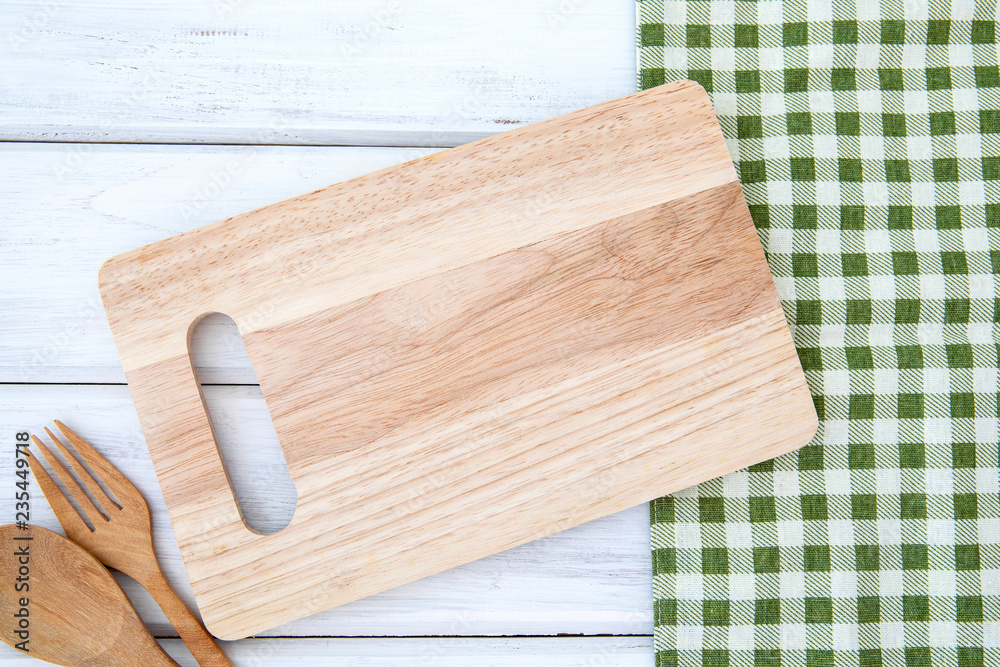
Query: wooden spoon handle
[202,645]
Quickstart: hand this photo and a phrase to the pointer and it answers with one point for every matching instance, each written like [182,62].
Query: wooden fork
[122,537]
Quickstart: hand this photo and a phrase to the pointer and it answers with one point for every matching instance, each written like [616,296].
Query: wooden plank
[363,72]
[593,579]
[419,652]
[59,330]
[67,208]
[449,376]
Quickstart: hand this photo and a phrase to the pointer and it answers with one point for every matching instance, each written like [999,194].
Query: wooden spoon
[76,612]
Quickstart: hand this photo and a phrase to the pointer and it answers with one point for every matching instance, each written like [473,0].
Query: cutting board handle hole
[244,433]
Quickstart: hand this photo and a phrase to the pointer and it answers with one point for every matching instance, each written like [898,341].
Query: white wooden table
[125,124]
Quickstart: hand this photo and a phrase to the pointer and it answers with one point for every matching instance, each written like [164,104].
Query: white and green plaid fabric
[867,139]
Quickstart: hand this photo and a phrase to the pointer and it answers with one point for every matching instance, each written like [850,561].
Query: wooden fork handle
[202,645]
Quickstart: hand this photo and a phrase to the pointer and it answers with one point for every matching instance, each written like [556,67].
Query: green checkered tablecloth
[867,139]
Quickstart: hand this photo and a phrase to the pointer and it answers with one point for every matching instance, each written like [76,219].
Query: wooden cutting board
[466,352]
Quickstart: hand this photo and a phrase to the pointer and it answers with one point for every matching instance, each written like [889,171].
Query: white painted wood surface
[115,78]
[68,207]
[357,72]
[424,652]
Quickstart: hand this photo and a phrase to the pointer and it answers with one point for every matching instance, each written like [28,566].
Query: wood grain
[503,340]
[82,203]
[62,606]
[592,579]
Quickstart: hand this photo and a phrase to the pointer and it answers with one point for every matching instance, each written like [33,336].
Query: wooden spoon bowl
[64,607]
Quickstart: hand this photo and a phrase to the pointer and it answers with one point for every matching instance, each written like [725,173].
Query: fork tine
[73,486]
[69,518]
[88,479]
[110,475]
